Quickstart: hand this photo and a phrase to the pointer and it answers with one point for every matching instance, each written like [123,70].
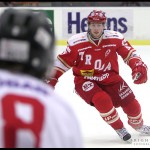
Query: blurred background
[75,4]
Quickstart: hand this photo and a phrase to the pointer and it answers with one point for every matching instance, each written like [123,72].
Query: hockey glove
[53,78]
[139,72]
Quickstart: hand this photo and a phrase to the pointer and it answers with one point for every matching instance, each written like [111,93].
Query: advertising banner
[50,16]
[75,21]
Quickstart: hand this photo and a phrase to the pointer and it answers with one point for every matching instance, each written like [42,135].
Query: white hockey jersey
[32,115]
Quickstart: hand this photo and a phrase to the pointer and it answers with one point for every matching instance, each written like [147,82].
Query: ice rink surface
[96,133]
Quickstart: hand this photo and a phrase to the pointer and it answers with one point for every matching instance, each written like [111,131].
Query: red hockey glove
[139,71]
[53,78]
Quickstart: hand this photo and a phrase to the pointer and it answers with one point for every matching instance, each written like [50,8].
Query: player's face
[96,29]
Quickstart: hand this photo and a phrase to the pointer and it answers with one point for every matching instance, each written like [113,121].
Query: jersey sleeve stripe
[128,56]
[64,63]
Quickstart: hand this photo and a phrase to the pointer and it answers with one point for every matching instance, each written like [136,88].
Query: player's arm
[132,59]
[60,67]
[63,63]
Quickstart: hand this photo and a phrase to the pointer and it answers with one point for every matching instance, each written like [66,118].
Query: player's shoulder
[78,38]
[112,34]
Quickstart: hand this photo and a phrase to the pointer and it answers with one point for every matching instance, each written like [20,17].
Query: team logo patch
[107,52]
[124,91]
[122,87]
[87,72]
[87,86]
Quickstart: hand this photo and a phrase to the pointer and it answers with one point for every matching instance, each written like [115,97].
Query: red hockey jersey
[95,62]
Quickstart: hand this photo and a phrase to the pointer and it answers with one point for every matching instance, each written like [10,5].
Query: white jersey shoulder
[77,39]
[60,126]
[112,34]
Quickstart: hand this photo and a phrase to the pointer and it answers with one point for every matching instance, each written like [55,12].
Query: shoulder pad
[112,34]
[77,39]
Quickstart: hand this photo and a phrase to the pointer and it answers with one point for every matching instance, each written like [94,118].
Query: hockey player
[92,55]
[31,114]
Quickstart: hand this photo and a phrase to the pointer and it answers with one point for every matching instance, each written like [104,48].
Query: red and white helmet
[97,16]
